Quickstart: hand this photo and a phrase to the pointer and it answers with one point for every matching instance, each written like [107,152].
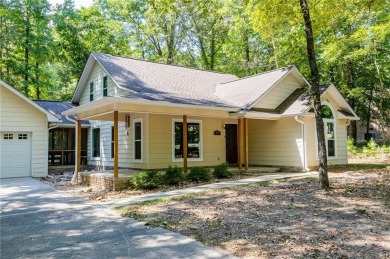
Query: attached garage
[23,135]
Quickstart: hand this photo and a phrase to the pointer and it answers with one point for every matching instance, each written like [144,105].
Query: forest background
[43,48]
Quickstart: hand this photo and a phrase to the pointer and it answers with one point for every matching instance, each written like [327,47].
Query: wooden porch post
[246,144]
[78,158]
[239,143]
[116,153]
[185,144]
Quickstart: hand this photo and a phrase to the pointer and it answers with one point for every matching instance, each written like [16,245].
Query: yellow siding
[17,115]
[279,93]
[96,76]
[160,141]
[341,137]
[125,144]
[277,143]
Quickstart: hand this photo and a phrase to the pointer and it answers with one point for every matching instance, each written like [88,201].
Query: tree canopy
[43,48]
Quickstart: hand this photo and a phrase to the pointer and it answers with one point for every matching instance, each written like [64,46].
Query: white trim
[50,116]
[294,71]
[100,144]
[142,140]
[334,121]
[200,138]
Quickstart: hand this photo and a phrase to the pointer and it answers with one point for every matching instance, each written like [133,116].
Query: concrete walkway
[37,221]
[153,196]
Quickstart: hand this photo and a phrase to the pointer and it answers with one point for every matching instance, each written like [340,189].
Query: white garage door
[15,156]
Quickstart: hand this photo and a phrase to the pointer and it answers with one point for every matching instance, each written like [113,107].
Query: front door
[231,143]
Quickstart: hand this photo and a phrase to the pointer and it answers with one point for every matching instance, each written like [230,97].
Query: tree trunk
[247,52]
[38,90]
[352,101]
[26,56]
[316,96]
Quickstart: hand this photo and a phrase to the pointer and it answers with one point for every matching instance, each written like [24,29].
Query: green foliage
[174,175]
[371,148]
[352,149]
[221,171]
[199,174]
[146,180]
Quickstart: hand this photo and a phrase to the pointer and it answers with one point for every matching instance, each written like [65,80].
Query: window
[137,136]
[96,142]
[91,90]
[112,142]
[105,86]
[193,140]
[22,136]
[8,136]
[329,124]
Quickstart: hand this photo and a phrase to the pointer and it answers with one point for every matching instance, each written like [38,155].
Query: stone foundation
[104,181]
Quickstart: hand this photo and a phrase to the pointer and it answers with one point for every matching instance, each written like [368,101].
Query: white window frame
[334,121]
[142,140]
[104,76]
[200,158]
[93,92]
[100,144]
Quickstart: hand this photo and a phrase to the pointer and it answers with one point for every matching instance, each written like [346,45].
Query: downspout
[75,176]
[299,119]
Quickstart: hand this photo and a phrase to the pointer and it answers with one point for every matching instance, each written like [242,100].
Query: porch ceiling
[102,109]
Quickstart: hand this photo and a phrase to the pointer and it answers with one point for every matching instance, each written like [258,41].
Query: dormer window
[105,86]
[91,90]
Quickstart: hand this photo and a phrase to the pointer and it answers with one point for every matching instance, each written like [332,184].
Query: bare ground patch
[288,220]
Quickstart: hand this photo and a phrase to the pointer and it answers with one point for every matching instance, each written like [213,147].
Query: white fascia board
[297,74]
[339,98]
[116,100]
[50,117]
[105,70]
[83,78]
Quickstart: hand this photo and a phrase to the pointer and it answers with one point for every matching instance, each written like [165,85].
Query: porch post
[185,144]
[246,144]
[239,143]
[116,153]
[78,157]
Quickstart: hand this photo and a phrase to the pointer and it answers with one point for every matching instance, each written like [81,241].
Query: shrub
[146,180]
[221,171]
[174,175]
[371,148]
[352,149]
[199,174]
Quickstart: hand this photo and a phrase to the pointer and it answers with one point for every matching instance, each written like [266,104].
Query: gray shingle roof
[56,108]
[245,91]
[303,102]
[155,81]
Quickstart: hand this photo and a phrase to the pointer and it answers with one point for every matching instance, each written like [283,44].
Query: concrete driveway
[37,221]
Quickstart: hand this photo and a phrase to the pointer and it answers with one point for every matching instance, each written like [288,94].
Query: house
[24,127]
[62,138]
[146,115]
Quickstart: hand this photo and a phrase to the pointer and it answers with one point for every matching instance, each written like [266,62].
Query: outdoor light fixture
[127,121]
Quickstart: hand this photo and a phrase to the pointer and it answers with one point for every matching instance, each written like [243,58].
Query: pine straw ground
[291,219]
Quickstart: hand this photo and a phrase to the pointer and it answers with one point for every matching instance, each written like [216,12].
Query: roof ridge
[172,65]
[265,72]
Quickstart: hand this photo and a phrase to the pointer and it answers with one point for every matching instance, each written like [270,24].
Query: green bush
[371,148]
[385,149]
[174,175]
[221,171]
[352,149]
[146,180]
[199,174]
